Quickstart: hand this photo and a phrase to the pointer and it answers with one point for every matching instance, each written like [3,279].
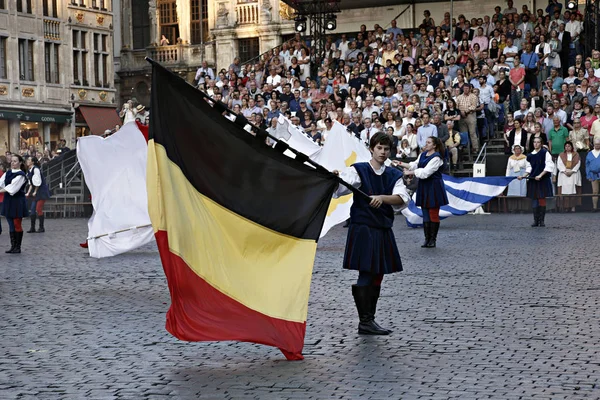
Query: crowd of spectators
[474,75]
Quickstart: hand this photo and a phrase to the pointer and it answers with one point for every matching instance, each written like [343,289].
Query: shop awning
[100,119]
[37,117]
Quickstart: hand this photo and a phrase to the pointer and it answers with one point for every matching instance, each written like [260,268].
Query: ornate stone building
[56,71]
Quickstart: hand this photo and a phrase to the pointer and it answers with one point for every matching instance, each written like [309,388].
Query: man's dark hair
[382,139]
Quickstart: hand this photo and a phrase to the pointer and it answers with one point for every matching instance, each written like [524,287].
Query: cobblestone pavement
[499,310]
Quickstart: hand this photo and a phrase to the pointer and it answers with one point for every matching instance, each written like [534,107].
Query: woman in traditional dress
[539,186]
[516,166]
[38,193]
[14,207]
[569,176]
[431,192]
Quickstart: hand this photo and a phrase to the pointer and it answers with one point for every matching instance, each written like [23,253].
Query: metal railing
[258,57]
[482,154]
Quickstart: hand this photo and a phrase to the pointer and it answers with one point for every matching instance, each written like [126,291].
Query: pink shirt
[516,74]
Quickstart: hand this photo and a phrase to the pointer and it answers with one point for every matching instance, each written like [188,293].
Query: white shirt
[549,163]
[36,180]
[574,28]
[15,185]
[515,165]
[431,167]
[546,50]
[512,49]
[351,176]
[367,133]
[274,80]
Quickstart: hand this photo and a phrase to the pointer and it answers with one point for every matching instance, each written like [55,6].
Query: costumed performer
[431,192]
[14,206]
[540,166]
[41,193]
[371,246]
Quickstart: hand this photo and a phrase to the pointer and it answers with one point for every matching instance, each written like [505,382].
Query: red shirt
[516,74]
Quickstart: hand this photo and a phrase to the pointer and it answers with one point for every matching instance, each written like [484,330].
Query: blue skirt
[371,250]
[431,193]
[14,207]
[539,189]
[43,193]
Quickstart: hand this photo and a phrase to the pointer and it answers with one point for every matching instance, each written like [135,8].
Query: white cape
[115,172]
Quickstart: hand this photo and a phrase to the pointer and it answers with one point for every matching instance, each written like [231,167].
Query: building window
[80,58]
[26,60]
[82,3]
[140,24]
[2,6]
[24,6]
[101,60]
[199,21]
[51,53]
[50,8]
[248,48]
[2,57]
[167,11]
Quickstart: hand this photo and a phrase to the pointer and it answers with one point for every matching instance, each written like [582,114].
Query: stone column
[46,135]
[14,135]
[269,37]
[226,47]
[154,23]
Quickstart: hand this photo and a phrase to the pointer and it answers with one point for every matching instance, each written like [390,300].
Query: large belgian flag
[236,223]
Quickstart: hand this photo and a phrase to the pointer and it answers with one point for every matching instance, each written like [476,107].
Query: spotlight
[572,5]
[331,22]
[300,24]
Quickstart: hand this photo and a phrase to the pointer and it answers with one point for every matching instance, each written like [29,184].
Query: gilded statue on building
[285,11]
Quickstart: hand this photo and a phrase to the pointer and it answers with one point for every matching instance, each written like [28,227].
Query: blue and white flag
[464,194]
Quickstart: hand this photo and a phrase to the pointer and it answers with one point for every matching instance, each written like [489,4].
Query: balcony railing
[167,54]
[247,12]
[51,29]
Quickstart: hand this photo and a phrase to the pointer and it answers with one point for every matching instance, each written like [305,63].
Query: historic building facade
[56,71]
[217,31]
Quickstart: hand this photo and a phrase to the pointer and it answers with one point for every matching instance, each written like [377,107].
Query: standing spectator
[557,137]
[467,105]
[517,79]
[579,136]
[425,131]
[592,171]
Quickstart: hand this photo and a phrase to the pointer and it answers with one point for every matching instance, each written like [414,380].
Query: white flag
[341,150]
[294,137]
[115,172]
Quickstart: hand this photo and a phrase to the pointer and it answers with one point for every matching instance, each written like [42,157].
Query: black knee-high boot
[434,227]
[536,217]
[41,228]
[13,241]
[426,232]
[375,291]
[32,217]
[363,300]
[542,216]
[18,241]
